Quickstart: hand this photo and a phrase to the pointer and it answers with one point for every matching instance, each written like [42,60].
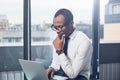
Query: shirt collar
[73,35]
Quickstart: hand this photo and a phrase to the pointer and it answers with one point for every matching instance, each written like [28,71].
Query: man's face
[59,23]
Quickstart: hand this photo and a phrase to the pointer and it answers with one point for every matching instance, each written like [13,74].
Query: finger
[52,74]
[57,37]
[47,72]
[63,36]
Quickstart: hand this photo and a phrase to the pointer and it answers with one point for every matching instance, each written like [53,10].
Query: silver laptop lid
[33,70]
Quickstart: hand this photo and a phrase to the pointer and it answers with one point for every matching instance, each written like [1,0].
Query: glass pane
[42,18]
[11,35]
[109,39]
[110,20]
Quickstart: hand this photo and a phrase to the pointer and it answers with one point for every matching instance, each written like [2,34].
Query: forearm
[55,62]
[68,67]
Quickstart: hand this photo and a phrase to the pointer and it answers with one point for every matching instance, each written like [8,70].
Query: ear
[72,23]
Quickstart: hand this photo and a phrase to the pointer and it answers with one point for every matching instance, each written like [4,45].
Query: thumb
[63,36]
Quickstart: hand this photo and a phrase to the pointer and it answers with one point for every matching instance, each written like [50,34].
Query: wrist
[52,69]
[59,51]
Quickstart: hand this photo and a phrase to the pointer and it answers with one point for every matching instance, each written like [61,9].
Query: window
[11,35]
[116,9]
[110,42]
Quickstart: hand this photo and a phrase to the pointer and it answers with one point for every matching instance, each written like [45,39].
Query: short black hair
[67,14]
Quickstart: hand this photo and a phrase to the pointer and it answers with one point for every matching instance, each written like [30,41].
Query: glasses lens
[52,27]
[56,27]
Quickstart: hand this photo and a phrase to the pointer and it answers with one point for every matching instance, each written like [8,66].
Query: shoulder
[83,39]
[81,35]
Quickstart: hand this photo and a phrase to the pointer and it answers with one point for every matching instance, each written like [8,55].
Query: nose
[57,31]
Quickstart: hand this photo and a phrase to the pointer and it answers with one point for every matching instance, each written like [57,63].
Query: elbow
[72,75]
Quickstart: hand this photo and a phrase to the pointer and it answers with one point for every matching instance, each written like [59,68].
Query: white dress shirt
[78,59]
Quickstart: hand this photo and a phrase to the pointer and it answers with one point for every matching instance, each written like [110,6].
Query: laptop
[35,71]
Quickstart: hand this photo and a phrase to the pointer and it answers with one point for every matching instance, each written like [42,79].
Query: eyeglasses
[54,28]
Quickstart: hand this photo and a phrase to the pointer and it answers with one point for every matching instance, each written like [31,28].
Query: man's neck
[71,32]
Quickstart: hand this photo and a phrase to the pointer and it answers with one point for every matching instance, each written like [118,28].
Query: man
[72,59]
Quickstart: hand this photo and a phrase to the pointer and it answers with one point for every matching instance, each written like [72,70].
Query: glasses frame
[54,28]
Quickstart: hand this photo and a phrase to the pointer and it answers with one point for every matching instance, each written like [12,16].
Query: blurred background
[106,62]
